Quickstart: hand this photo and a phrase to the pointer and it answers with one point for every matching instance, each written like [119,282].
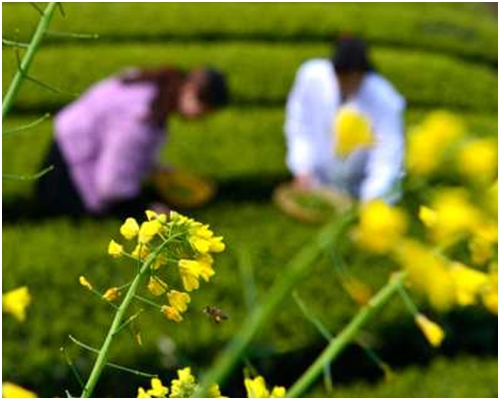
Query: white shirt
[312,105]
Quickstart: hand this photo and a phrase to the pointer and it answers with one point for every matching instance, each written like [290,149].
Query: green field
[438,55]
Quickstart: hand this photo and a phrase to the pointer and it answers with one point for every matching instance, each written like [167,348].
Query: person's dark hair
[351,55]
[214,89]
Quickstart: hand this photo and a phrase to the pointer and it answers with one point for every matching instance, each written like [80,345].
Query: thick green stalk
[28,58]
[292,274]
[101,360]
[347,335]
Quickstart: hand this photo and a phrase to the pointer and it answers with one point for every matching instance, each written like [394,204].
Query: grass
[259,73]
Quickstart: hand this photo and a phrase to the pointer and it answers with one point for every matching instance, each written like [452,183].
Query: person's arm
[126,156]
[385,164]
[300,157]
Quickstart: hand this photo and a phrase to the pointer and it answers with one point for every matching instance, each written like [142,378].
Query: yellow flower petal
[148,230]
[111,294]
[432,331]
[157,388]
[13,391]
[178,300]
[115,249]
[171,313]
[85,283]
[156,286]
[16,301]
[129,229]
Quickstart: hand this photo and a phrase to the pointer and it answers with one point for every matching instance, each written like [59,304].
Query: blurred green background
[439,55]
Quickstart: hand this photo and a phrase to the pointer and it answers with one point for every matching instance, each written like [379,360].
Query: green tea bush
[449,28]
[259,73]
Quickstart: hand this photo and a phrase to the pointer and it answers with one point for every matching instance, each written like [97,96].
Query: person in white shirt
[321,88]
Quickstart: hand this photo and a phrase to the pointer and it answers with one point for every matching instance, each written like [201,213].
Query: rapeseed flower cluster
[430,142]
[185,386]
[12,391]
[179,250]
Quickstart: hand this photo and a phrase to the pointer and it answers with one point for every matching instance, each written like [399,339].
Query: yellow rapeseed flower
[217,245]
[190,271]
[111,294]
[481,250]
[144,252]
[381,226]
[184,386]
[16,301]
[432,331]
[490,290]
[256,388]
[171,313]
[115,249]
[427,273]
[455,214]
[206,271]
[213,392]
[12,391]
[352,132]
[478,160]
[85,283]
[156,286]
[178,300]
[157,388]
[142,394]
[129,229]
[148,230]
[151,215]
[469,283]
[200,244]
[429,141]
[428,216]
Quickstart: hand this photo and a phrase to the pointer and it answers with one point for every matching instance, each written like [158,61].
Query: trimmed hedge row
[468,30]
[444,378]
[257,130]
[259,73]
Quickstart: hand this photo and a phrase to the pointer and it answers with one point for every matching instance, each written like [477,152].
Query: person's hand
[305,182]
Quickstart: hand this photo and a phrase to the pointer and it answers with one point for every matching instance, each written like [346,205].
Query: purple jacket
[107,143]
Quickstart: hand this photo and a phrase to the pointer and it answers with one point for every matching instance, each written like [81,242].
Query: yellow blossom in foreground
[432,331]
[157,388]
[178,300]
[190,271]
[455,214]
[85,283]
[206,271]
[490,290]
[115,249]
[142,394]
[111,294]
[171,313]
[13,391]
[129,229]
[151,215]
[148,230]
[429,142]
[427,273]
[381,226]
[214,392]
[256,388]
[352,132]
[141,251]
[478,160]
[16,301]
[217,245]
[156,286]
[184,386]
[481,250]
[200,244]
[428,216]
[469,283]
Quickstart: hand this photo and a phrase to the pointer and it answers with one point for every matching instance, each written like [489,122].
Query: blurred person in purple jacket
[108,141]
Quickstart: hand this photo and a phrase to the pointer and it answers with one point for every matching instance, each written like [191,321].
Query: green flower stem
[28,58]
[115,326]
[292,274]
[347,335]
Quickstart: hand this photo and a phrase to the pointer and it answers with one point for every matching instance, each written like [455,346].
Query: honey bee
[215,314]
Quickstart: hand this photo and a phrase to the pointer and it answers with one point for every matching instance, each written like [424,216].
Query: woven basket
[310,205]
